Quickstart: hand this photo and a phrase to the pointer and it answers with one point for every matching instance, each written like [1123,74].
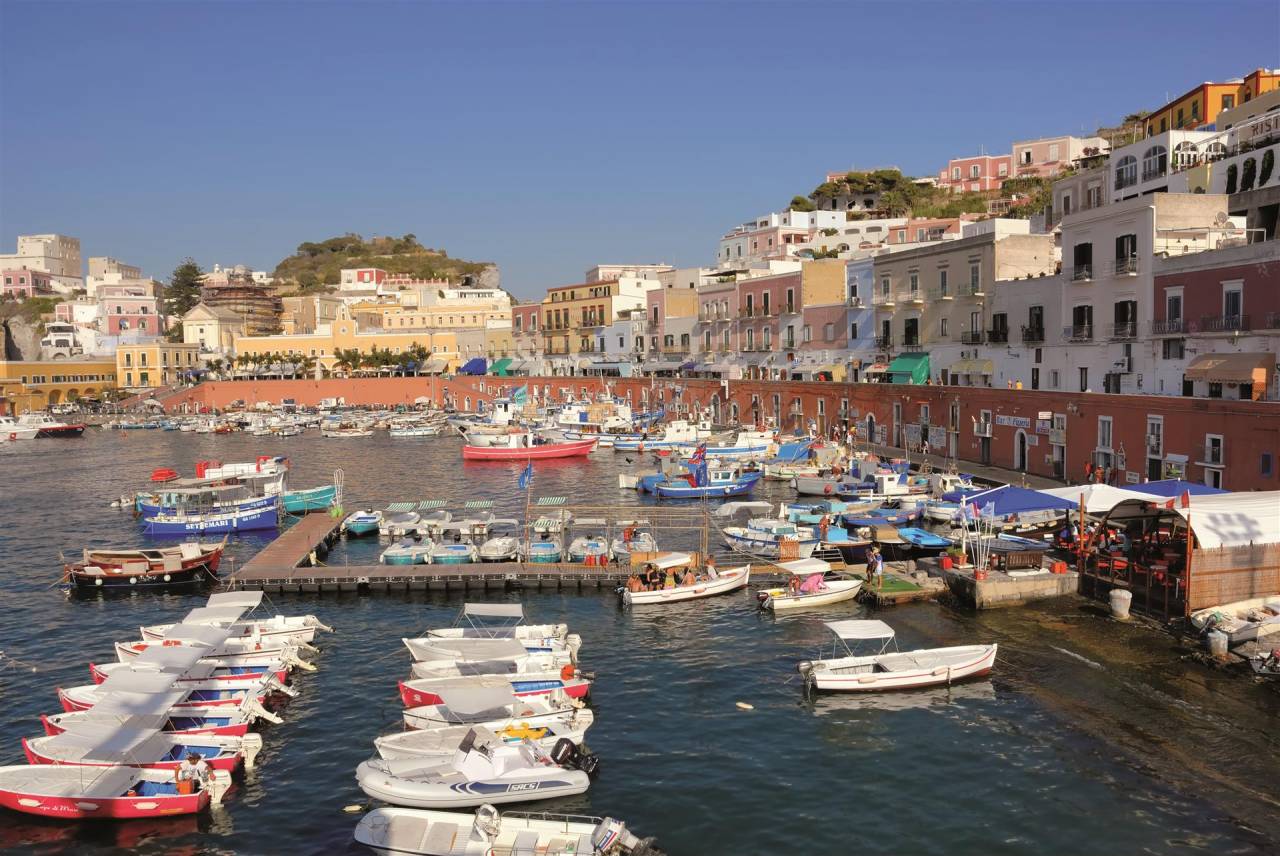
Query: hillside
[316,264]
[899,196]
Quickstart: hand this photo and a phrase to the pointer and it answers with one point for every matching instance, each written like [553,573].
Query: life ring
[727,490]
[13,435]
[133,580]
[566,672]
[167,578]
[828,489]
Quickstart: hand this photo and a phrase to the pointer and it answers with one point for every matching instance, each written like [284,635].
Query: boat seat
[526,843]
[442,838]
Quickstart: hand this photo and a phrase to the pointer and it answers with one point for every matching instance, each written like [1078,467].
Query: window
[1265,468]
[942,328]
[1228,101]
[1215,390]
[1035,377]
[853,331]
[914,279]
[1084,379]
[974,277]
[1025,157]
[1054,151]
[884,286]
[1181,121]
[1053,378]
[942,282]
[975,171]
[1004,170]
[1104,432]
[1154,162]
[1173,305]
[828,332]
[1066,204]
[1172,349]
[1233,303]
[1213,449]
[1195,111]
[955,173]
[1126,172]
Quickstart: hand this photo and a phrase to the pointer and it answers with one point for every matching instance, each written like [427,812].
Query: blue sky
[544,136]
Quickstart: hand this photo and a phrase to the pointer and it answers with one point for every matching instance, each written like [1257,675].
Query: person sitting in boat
[634,584]
[653,578]
[711,568]
[793,585]
[688,579]
[195,771]
[670,580]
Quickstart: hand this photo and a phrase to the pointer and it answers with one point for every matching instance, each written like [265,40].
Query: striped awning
[551,500]
[431,504]
[400,507]
[547,523]
[478,504]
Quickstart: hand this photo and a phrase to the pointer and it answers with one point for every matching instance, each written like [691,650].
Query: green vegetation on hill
[318,263]
[899,195]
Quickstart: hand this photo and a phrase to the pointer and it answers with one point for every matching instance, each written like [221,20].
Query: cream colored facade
[154,364]
[446,315]
[345,334]
[30,385]
[498,340]
[307,314]
[213,328]
[822,282]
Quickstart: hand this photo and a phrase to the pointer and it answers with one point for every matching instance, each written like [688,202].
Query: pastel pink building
[824,328]
[130,309]
[1049,156]
[977,173]
[717,313]
[920,229]
[21,283]
[763,304]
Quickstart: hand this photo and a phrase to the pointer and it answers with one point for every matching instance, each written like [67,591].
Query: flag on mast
[526,476]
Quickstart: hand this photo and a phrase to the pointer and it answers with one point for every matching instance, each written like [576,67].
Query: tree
[799,203]
[183,290]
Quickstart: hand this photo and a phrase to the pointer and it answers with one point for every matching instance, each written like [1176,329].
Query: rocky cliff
[21,339]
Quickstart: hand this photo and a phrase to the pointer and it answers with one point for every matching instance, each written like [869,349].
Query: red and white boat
[158,711]
[113,793]
[427,691]
[204,670]
[47,426]
[215,643]
[492,707]
[110,745]
[520,446]
[196,694]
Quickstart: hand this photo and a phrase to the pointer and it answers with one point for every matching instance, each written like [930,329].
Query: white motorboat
[483,769]
[228,610]
[397,522]
[216,644]
[707,584]
[363,522]
[432,650]
[494,708]
[890,670]
[418,832]
[592,549]
[636,537]
[133,744]
[770,538]
[443,742]
[497,621]
[816,584]
[504,546]
[11,430]
[519,662]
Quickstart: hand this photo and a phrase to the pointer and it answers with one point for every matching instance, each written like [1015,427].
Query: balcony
[982,429]
[884,301]
[1168,327]
[971,337]
[1125,266]
[884,343]
[745,312]
[936,294]
[1225,324]
[1058,436]
[1032,335]
[1273,321]
[998,337]
[1082,273]
[911,344]
[1213,456]
[973,289]
[914,296]
[790,309]
[1124,330]
[1078,333]
[855,301]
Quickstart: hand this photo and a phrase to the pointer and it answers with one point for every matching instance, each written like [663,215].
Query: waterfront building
[1202,104]
[31,385]
[306,313]
[526,337]
[128,308]
[256,305]
[1048,156]
[1108,287]
[671,312]
[1216,321]
[23,283]
[976,173]
[56,255]
[860,316]
[213,328]
[717,325]
[572,316]
[931,302]
[604,273]
[149,365]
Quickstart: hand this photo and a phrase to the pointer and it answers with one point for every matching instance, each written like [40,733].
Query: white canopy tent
[858,630]
[1233,519]
[246,599]
[1100,498]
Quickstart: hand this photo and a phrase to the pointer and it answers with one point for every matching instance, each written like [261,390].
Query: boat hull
[976,661]
[521,685]
[669,490]
[727,581]
[837,591]
[526,453]
[264,518]
[112,808]
[315,499]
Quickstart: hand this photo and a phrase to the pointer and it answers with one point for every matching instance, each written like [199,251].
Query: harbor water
[1091,735]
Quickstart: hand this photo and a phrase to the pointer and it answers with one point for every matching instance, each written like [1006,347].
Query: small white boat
[344,430]
[817,585]
[770,538]
[443,742]
[396,523]
[891,670]
[636,537]
[428,649]
[364,522]
[484,769]
[494,708]
[461,553]
[497,621]
[418,832]
[504,546]
[707,584]
[592,549]
[228,610]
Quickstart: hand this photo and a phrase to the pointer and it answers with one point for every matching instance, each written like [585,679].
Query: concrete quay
[1000,588]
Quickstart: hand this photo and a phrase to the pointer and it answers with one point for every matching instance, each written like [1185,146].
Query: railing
[1031,335]
[1224,324]
[883,300]
[912,346]
[1153,174]
[1213,455]
[1124,330]
[970,289]
[1125,266]
[1273,321]
[914,296]
[884,343]
[1082,273]
[971,337]
[790,309]
[855,301]
[745,312]
[998,337]
[1167,327]
[1058,436]
[941,294]
[982,429]
[1078,333]
[1155,445]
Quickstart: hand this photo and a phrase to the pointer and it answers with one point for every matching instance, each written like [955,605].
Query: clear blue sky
[546,137]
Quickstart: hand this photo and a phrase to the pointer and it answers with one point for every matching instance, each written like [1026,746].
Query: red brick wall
[1250,429]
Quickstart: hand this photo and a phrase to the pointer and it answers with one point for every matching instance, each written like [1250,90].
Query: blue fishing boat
[175,503]
[881,517]
[311,499]
[708,483]
[187,523]
[924,540]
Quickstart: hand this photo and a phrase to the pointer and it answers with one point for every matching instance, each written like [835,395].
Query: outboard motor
[568,755]
[612,838]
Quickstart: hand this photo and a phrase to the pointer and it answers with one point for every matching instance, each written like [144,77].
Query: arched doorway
[1020,451]
[55,396]
[715,409]
[871,428]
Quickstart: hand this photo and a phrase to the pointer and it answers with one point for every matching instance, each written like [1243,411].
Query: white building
[774,236]
[1150,165]
[56,255]
[605,273]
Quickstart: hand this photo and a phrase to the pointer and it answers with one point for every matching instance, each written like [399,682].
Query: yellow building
[30,385]
[154,364]
[822,282]
[213,328]
[573,314]
[1202,104]
[442,315]
[344,334]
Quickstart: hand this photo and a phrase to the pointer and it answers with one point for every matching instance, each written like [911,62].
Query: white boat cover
[1233,519]
[166,658]
[805,567]
[136,682]
[70,781]
[439,648]
[669,560]
[214,615]
[107,743]
[730,509]
[477,698]
[494,610]
[1101,498]
[854,629]
[247,599]
[200,634]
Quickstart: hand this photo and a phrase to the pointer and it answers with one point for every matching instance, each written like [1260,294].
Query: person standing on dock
[875,567]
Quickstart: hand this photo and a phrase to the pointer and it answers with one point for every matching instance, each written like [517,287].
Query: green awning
[909,368]
[501,367]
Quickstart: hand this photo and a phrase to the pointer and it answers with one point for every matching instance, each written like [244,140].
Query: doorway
[1020,451]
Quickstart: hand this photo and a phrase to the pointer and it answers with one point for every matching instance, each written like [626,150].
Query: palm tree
[347,359]
[215,366]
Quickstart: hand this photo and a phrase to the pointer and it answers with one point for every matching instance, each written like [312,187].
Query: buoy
[167,578]
[828,489]
[353,808]
[133,580]
[742,705]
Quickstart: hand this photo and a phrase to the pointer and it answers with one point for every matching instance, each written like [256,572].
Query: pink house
[920,229]
[765,305]
[717,314]
[130,309]
[21,283]
[824,328]
[980,172]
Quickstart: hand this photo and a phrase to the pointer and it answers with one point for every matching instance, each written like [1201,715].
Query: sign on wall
[912,433]
[1043,426]
[1033,440]
[1130,477]
[882,435]
[937,437]
[1013,421]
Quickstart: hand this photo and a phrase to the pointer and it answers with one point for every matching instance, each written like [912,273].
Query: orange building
[1202,104]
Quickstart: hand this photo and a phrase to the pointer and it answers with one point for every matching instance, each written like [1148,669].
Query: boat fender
[98,582]
[133,580]
[354,808]
[742,705]
[828,489]
[167,578]
[566,673]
